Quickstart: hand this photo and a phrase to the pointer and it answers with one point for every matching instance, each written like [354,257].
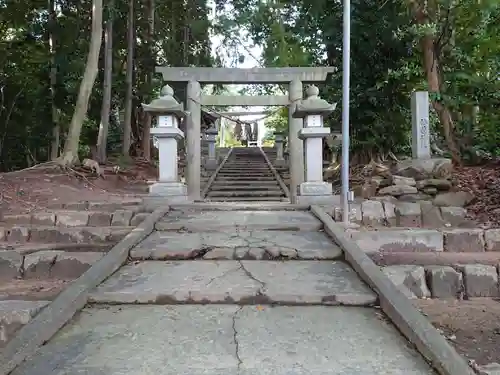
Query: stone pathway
[231,292]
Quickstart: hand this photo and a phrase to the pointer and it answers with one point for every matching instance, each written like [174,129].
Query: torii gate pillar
[295,145]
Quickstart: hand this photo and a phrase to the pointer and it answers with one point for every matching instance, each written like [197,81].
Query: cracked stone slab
[244,220]
[289,282]
[226,340]
[240,245]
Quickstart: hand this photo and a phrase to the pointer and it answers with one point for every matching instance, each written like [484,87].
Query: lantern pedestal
[312,110]
[168,186]
[278,144]
[211,162]
[168,189]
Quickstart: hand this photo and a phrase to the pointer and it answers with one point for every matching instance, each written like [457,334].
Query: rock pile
[416,180]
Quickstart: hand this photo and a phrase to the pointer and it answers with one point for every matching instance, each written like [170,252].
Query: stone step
[245,193]
[245,178]
[249,177]
[245,173]
[217,183]
[240,282]
[238,206]
[25,233]
[260,161]
[247,199]
[258,245]
[72,218]
[246,187]
[244,168]
[229,220]
[254,159]
[247,162]
[115,340]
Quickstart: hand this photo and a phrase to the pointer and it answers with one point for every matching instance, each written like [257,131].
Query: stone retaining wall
[112,204]
[460,281]
[60,234]
[423,240]
[46,264]
[389,213]
[118,218]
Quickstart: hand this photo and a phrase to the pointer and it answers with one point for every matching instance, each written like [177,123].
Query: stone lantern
[169,113]
[278,144]
[312,110]
[211,162]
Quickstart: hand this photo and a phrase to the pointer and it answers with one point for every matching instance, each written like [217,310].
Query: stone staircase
[245,176]
[236,292]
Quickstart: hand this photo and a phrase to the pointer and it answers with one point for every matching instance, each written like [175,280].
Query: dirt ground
[34,189]
[484,184]
[473,326]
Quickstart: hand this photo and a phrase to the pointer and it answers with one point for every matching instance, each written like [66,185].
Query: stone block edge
[73,298]
[410,322]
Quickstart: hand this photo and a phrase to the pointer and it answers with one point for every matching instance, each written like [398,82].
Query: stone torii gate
[293,77]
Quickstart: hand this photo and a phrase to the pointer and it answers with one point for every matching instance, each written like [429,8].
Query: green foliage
[386,64]
[181,38]
[386,60]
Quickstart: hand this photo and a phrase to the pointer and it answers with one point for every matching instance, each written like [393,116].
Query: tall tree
[54,152]
[102,137]
[70,152]
[146,130]
[129,80]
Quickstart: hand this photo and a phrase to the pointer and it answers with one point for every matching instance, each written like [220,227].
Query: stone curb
[212,178]
[276,174]
[73,298]
[414,326]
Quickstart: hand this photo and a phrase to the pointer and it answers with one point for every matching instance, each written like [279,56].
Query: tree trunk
[107,85]
[421,9]
[70,152]
[146,129]
[432,73]
[127,124]
[54,147]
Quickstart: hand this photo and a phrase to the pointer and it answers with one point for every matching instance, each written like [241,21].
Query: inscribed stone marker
[421,148]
